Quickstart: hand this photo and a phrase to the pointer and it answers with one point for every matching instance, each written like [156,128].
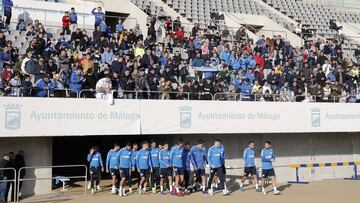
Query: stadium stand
[170,62]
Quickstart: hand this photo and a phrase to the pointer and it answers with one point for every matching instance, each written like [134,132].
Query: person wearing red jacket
[66,21]
[259,60]
[180,33]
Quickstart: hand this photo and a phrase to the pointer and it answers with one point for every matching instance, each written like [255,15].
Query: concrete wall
[291,149]
[38,152]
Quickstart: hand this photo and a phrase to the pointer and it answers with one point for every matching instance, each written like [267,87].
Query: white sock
[225,186]
[263,189]
[171,188]
[139,187]
[120,190]
[275,189]
[144,189]
[257,186]
[123,191]
[154,185]
[203,188]
[177,189]
[241,184]
[161,188]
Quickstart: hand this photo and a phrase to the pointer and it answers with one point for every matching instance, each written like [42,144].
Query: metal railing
[12,180]
[179,95]
[51,178]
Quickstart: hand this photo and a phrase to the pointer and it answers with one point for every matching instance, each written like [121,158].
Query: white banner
[178,117]
[61,117]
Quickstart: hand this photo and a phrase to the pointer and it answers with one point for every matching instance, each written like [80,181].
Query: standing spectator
[4,163]
[7,4]
[76,81]
[19,162]
[66,21]
[73,19]
[119,28]
[10,176]
[176,24]
[99,15]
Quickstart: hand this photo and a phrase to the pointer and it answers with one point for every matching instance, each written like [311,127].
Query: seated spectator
[44,86]
[161,15]
[21,25]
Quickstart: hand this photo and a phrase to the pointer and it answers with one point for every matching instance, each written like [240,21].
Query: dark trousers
[186,182]
[10,185]
[219,173]
[8,17]
[134,175]
[155,176]
[95,176]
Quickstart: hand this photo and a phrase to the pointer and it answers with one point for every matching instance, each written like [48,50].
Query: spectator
[161,15]
[176,24]
[119,28]
[7,4]
[66,21]
[19,163]
[99,15]
[44,86]
[76,81]
[21,25]
[73,19]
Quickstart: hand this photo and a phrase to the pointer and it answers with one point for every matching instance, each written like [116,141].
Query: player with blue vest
[166,172]
[267,159]
[186,164]
[155,175]
[96,167]
[125,166]
[249,166]
[216,160]
[112,167]
[198,160]
[143,163]
[135,171]
[177,164]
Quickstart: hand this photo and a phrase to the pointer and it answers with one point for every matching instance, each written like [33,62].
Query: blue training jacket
[154,152]
[249,157]
[111,160]
[133,157]
[124,158]
[266,156]
[222,154]
[143,159]
[198,157]
[99,16]
[186,157]
[95,160]
[176,157]
[164,158]
[214,157]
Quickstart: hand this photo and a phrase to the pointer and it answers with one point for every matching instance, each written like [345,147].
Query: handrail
[51,178]
[12,180]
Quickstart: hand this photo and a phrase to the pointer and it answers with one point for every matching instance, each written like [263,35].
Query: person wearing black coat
[76,37]
[19,162]
[89,83]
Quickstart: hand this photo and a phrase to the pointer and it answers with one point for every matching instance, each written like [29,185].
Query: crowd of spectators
[200,64]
